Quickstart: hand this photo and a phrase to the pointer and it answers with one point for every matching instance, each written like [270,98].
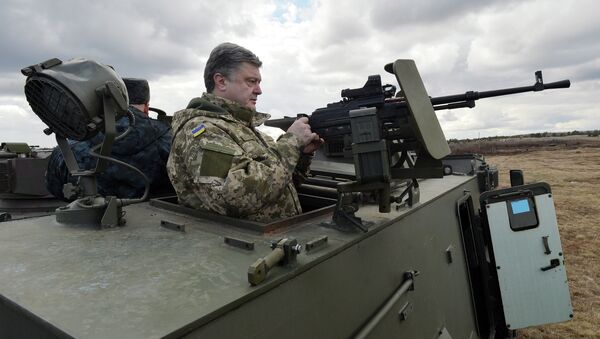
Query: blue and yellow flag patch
[198,130]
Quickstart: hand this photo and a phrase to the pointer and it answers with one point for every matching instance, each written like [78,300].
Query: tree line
[589,133]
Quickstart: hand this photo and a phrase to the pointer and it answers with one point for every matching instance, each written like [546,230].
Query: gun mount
[392,137]
[333,121]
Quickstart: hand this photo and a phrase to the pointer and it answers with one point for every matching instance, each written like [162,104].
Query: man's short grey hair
[225,59]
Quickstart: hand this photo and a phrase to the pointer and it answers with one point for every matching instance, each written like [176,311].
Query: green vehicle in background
[22,189]
[397,240]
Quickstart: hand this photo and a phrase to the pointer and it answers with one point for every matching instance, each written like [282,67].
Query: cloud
[313,49]
[387,15]
[17,123]
[536,33]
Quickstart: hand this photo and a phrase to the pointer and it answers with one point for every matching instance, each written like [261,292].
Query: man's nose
[257,90]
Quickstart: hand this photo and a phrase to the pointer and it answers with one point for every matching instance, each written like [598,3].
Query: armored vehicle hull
[144,280]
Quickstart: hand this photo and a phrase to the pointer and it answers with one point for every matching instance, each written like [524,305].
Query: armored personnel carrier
[387,247]
[22,189]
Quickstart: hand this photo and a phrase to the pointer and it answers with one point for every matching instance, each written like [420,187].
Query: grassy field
[573,171]
[518,145]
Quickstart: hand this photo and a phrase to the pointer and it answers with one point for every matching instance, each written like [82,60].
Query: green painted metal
[144,280]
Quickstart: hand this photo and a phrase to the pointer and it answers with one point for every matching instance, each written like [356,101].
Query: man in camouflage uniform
[219,162]
[146,147]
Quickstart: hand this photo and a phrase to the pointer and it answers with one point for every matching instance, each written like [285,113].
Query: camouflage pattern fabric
[146,147]
[219,162]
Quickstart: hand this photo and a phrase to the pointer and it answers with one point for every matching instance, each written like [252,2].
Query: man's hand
[313,146]
[310,140]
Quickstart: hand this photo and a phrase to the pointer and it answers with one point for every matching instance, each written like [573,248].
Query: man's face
[243,86]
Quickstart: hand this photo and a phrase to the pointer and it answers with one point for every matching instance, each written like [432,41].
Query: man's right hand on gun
[310,140]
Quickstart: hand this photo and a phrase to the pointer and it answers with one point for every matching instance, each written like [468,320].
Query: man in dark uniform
[146,147]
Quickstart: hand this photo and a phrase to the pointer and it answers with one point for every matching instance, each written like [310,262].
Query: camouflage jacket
[219,162]
[146,147]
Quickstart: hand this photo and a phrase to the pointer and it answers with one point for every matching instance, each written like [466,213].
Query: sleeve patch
[216,160]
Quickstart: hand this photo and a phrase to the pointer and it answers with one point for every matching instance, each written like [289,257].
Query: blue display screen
[520,206]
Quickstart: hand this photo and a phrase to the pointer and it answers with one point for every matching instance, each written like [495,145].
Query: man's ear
[220,81]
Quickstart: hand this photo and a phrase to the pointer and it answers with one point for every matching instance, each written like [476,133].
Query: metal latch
[284,253]
[553,263]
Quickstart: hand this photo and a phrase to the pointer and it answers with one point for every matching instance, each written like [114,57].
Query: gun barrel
[558,84]
[473,95]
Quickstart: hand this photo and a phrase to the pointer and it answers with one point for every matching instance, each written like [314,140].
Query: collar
[246,115]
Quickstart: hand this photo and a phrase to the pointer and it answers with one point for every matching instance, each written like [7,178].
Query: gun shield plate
[422,117]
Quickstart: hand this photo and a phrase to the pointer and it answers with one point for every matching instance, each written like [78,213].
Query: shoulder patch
[196,132]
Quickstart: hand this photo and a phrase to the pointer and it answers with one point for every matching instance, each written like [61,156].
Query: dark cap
[138,90]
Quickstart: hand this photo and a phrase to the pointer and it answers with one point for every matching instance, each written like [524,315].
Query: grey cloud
[458,46]
[448,116]
[139,38]
[543,34]
[387,14]
[338,24]
[11,84]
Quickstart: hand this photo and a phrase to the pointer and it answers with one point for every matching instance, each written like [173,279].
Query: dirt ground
[574,175]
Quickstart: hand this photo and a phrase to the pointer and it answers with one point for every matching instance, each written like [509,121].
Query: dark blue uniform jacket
[146,147]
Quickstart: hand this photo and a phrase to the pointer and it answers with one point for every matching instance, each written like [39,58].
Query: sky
[312,49]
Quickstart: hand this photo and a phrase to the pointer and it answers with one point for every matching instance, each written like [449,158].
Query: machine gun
[332,123]
[393,135]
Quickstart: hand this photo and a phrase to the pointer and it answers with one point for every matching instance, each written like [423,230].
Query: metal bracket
[343,216]
[315,243]
[405,310]
[112,216]
[546,245]
[239,243]
[406,285]
[449,256]
[172,225]
[412,194]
